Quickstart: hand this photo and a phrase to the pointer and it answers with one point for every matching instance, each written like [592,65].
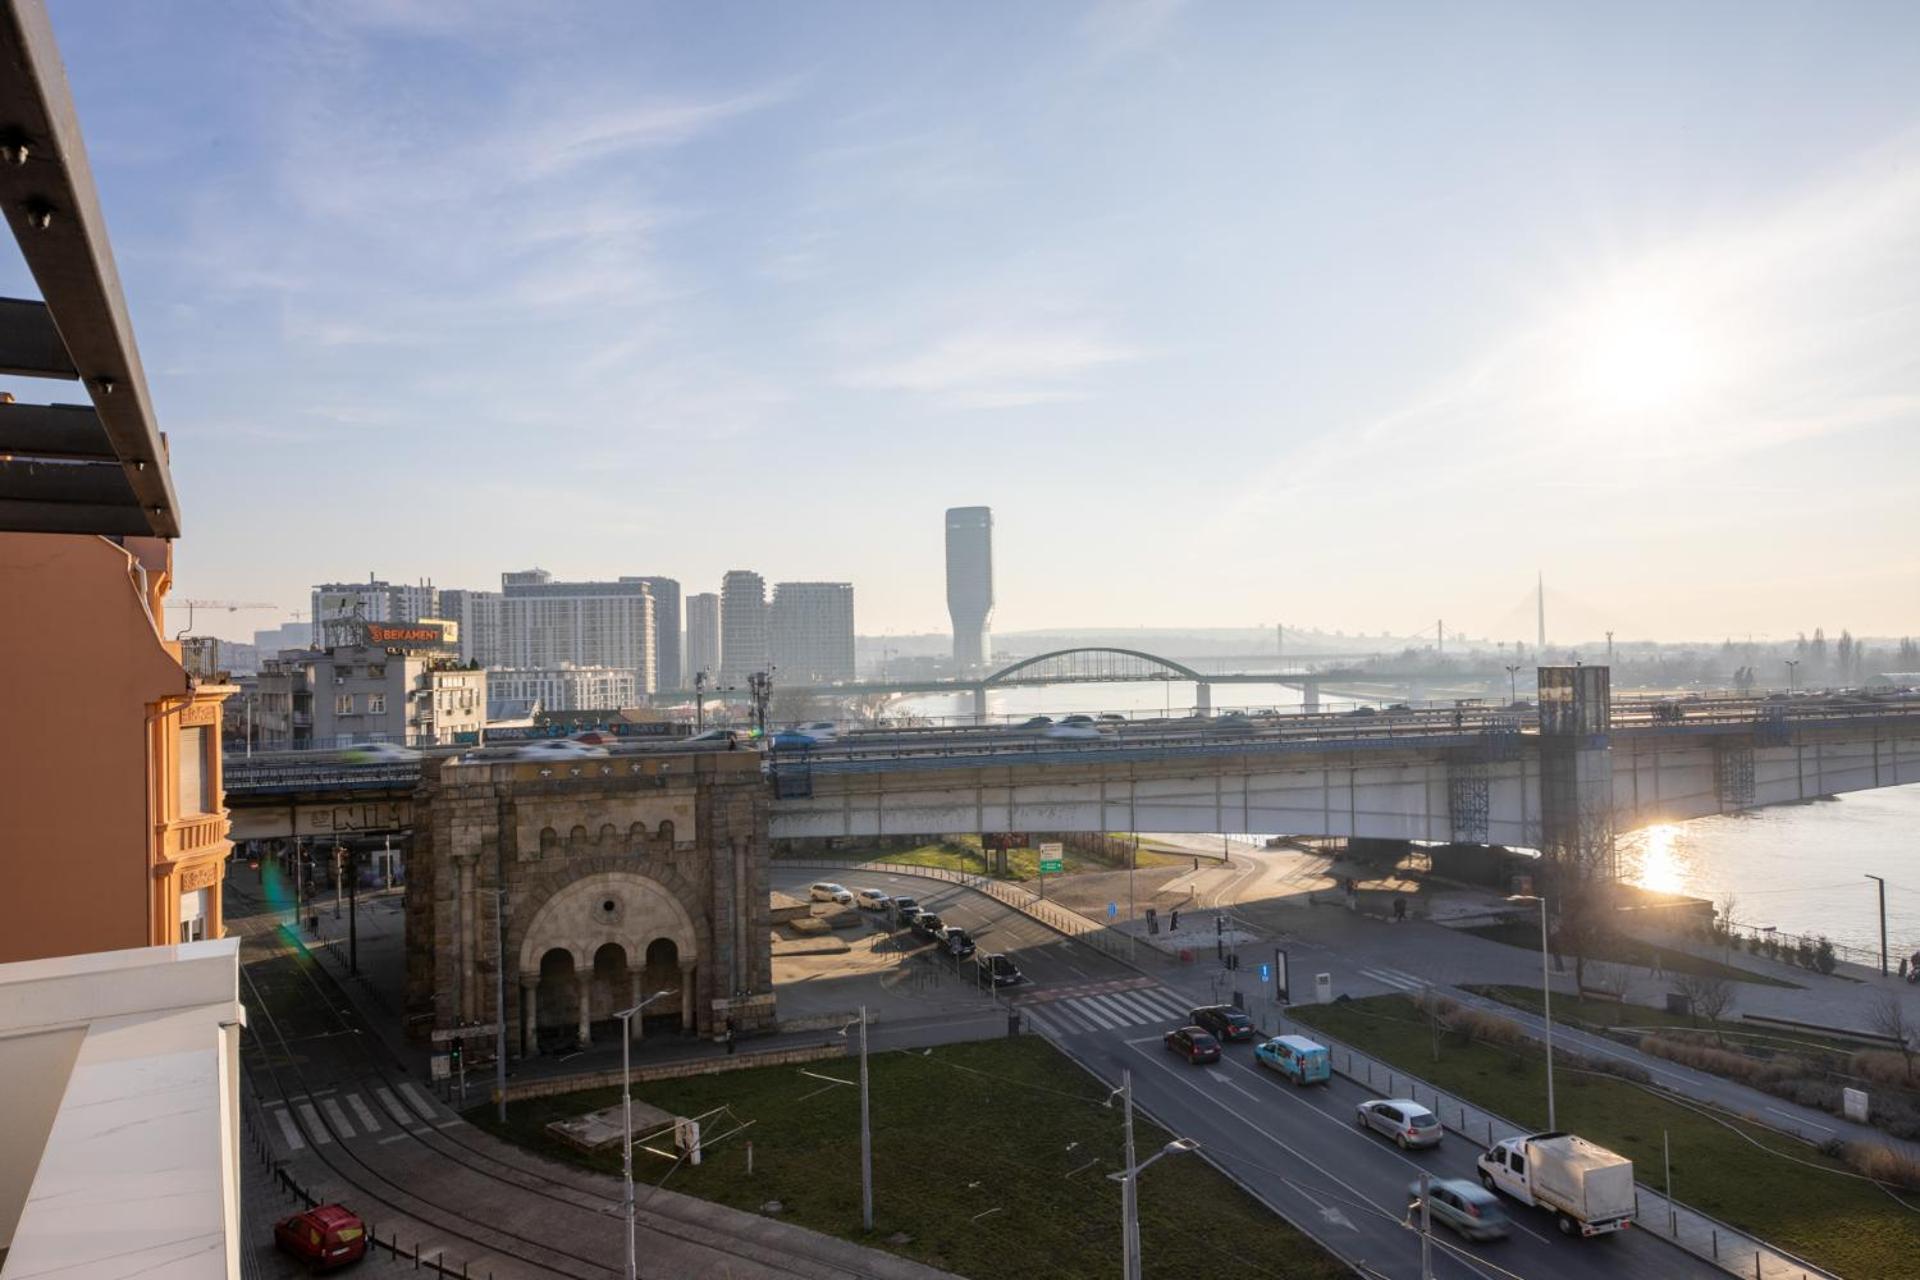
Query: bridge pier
[1576,772]
[1310,697]
[1203,698]
[979,704]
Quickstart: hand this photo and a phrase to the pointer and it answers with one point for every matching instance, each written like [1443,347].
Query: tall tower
[970,583]
[743,626]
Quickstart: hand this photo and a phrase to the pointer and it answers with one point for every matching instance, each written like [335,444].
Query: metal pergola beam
[54,212]
[30,344]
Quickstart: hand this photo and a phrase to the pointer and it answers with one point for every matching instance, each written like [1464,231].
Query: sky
[1237,313]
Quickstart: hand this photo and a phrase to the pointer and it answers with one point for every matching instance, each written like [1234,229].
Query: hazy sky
[1348,315]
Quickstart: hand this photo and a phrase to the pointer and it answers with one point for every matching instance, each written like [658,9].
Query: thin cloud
[984,369]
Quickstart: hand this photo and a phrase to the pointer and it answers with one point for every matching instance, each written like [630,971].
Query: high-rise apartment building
[703,635]
[478,613]
[544,623]
[743,626]
[337,605]
[811,632]
[668,673]
[970,583]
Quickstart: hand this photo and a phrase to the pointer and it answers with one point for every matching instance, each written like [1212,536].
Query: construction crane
[231,606]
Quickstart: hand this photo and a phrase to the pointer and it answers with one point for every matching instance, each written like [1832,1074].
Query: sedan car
[1405,1121]
[1193,1044]
[380,753]
[871,899]
[324,1237]
[793,740]
[997,969]
[1467,1207]
[559,749]
[1224,1021]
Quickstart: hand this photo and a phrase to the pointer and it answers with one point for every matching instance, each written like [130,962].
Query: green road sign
[1050,856]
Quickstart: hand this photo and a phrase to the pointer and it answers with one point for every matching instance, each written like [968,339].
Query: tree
[1708,996]
[1614,979]
[1729,902]
[1580,922]
[1888,1016]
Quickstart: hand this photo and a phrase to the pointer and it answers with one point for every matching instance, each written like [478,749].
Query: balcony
[193,836]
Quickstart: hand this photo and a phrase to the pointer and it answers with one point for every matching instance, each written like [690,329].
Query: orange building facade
[113,826]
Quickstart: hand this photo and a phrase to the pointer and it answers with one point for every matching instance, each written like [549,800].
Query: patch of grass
[1621,949]
[992,1156]
[1839,1222]
[1610,1014]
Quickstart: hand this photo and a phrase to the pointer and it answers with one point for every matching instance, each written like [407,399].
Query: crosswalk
[327,1116]
[1110,1009]
[1396,978]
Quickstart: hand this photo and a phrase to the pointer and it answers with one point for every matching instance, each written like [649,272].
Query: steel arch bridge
[1073,666]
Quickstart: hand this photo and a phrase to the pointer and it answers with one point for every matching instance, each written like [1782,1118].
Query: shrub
[1883,1164]
[1723,1062]
[1881,1066]
[1823,959]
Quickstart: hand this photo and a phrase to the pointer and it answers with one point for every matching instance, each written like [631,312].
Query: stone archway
[603,921]
[551,996]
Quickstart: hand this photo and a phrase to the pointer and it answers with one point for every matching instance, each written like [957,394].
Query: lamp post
[1791,664]
[1546,1000]
[626,1104]
[1883,921]
[1513,683]
[1130,1177]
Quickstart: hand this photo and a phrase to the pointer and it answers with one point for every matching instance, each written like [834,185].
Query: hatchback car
[871,899]
[1467,1207]
[1224,1021]
[324,1237]
[1405,1121]
[1193,1044]
[827,891]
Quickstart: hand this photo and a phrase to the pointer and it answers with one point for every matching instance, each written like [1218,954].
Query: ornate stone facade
[625,879]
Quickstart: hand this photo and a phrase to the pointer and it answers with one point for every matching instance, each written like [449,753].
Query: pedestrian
[1173,921]
[1903,968]
[729,1035]
[1196,863]
[1399,907]
[1658,970]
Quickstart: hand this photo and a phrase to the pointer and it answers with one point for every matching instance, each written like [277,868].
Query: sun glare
[1660,867]
[1645,352]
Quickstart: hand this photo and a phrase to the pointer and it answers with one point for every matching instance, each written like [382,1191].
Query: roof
[67,468]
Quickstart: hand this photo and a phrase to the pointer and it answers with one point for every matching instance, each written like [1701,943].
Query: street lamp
[1130,1177]
[866,1130]
[1883,921]
[1546,999]
[626,1103]
[1513,683]
[1791,664]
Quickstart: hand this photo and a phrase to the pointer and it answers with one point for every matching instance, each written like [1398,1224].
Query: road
[1298,1149]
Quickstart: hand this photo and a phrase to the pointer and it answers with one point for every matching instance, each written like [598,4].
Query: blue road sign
[1266,972]
[1113,909]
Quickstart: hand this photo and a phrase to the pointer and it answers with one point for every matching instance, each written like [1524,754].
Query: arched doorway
[611,988]
[557,1019]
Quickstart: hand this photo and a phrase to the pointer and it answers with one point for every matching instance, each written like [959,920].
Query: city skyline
[1399,262]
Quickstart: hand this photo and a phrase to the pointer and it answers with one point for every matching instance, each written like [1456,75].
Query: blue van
[1297,1058]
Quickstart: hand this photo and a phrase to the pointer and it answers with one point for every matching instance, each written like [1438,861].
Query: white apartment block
[587,624]
[703,635]
[811,632]
[337,604]
[743,626]
[565,688]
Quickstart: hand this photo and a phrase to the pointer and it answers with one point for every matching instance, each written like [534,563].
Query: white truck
[1587,1188]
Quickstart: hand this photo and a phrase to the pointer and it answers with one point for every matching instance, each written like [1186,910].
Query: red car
[1194,1044]
[324,1238]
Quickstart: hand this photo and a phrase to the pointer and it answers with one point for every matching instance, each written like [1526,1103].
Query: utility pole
[338,851]
[700,701]
[1546,1005]
[1609,648]
[1426,1228]
[1129,1207]
[866,1133]
[500,1004]
[353,914]
[1883,921]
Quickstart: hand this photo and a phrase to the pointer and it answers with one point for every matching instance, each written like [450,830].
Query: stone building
[623,877]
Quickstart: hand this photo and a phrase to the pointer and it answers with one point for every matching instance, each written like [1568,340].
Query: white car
[827,891]
[559,749]
[380,753]
[1072,731]
[872,899]
[820,730]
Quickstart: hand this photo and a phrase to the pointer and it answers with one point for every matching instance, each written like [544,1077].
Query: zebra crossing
[1108,1010]
[1396,978]
[323,1117]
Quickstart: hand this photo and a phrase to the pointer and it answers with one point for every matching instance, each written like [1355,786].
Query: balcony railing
[188,836]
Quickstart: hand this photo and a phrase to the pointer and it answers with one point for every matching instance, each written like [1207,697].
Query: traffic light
[458,1049]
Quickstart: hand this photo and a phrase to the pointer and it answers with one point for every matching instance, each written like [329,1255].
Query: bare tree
[1581,925]
[1708,995]
[1729,902]
[1614,979]
[1888,1016]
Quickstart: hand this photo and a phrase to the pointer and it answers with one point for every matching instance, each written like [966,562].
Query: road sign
[1282,991]
[1266,972]
[1050,852]
[1113,910]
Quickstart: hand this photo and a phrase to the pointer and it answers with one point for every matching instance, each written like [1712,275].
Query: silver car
[1402,1119]
[1465,1206]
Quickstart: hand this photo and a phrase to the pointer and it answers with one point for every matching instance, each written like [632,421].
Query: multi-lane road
[1297,1149]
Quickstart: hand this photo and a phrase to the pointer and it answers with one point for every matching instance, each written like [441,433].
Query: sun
[1645,351]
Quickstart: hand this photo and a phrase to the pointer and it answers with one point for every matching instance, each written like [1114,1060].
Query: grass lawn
[991,1156]
[1605,1014]
[1841,1223]
[1620,949]
[962,853]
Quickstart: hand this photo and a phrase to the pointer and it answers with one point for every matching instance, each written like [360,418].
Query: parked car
[1193,1044]
[905,909]
[927,925]
[1224,1021]
[957,941]
[324,1237]
[1405,1121]
[827,891]
[871,899]
[1299,1059]
[558,749]
[1455,1202]
[380,753]
[997,969]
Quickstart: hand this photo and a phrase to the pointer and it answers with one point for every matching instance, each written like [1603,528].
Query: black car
[957,941]
[1193,1044]
[997,969]
[904,907]
[1076,720]
[927,925]
[1224,1021]
[1038,722]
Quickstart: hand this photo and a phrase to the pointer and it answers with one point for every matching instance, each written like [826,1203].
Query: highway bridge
[1473,774]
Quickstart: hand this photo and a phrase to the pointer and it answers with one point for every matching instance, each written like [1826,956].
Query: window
[376,704]
[195,781]
[193,916]
[343,704]
[376,671]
